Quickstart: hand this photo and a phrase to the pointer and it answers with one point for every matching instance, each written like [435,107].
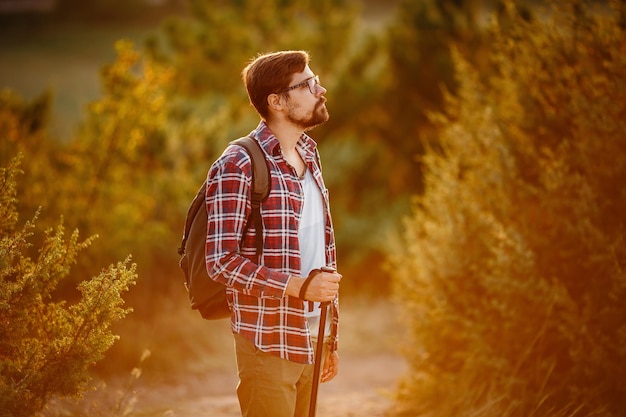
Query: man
[272,323]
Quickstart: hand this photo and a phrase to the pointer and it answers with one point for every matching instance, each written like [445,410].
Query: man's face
[306,103]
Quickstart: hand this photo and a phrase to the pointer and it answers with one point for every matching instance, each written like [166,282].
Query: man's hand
[323,287]
[331,365]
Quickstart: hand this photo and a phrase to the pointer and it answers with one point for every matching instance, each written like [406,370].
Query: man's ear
[275,102]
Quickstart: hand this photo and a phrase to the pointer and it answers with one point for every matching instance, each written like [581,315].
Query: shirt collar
[271,145]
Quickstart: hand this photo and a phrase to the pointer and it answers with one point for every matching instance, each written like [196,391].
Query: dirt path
[363,388]
[369,370]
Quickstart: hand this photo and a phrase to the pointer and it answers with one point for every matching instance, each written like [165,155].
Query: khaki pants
[270,386]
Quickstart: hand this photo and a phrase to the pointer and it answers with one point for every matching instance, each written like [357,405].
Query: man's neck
[287,134]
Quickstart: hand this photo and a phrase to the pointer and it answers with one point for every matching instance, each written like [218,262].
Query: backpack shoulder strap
[260,170]
[260,186]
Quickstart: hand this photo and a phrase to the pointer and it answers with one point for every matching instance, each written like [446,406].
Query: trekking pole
[319,352]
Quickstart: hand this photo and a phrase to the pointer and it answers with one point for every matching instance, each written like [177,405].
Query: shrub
[513,271]
[48,345]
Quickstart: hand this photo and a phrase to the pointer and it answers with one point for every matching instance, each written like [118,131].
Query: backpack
[206,295]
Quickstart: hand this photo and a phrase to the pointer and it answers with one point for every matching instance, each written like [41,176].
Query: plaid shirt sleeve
[261,310]
[228,201]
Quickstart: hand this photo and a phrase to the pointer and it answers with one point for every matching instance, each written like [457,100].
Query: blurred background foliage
[512,263]
[494,127]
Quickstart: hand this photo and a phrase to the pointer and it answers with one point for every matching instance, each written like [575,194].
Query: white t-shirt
[311,236]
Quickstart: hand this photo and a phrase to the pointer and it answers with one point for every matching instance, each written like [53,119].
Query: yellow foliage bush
[512,274]
[48,345]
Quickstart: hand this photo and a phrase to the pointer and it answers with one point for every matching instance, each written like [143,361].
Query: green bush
[48,345]
[512,274]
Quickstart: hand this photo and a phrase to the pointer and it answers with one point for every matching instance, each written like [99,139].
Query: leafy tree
[513,274]
[419,69]
[121,169]
[47,345]
[113,177]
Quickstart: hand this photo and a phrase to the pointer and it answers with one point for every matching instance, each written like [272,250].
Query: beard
[311,120]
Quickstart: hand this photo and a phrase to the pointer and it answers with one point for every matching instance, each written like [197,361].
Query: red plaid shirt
[261,310]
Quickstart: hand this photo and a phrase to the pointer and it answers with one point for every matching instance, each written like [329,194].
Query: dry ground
[370,369]
[364,388]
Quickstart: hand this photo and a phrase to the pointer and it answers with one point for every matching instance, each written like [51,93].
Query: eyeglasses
[311,82]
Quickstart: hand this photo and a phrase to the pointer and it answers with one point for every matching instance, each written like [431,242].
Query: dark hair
[270,73]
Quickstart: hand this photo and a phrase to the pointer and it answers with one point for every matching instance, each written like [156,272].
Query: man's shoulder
[236,155]
[233,163]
